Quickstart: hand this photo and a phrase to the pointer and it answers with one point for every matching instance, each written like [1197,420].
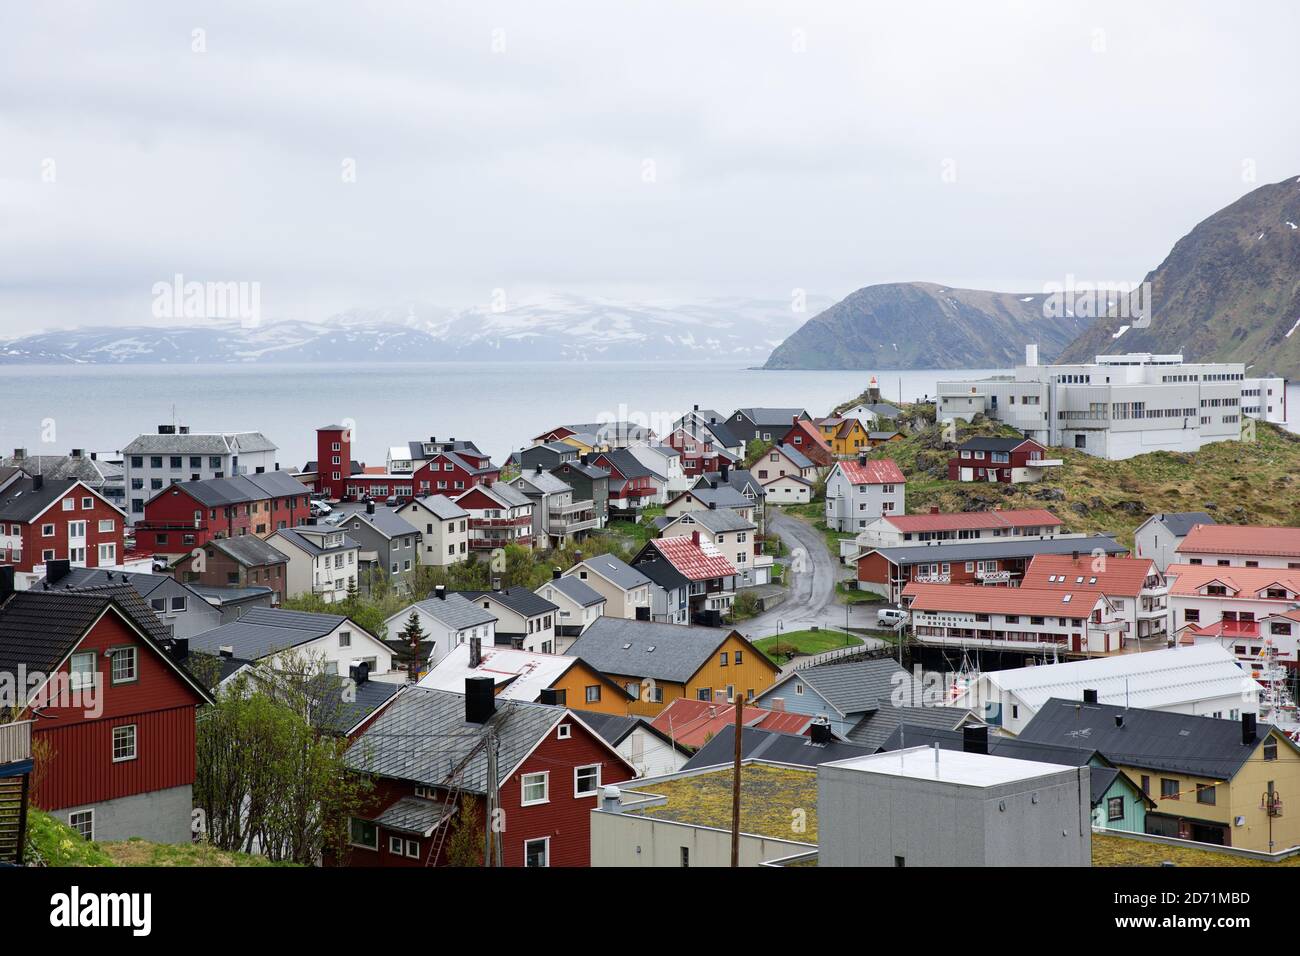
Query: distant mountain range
[547,328]
[1229,290]
[902,325]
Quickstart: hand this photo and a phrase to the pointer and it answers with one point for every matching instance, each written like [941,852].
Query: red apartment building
[1005,460]
[189,514]
[425,753]
[115,711]
[699,455]
[47,519]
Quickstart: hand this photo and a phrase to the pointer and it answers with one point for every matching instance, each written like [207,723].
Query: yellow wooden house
[846,436]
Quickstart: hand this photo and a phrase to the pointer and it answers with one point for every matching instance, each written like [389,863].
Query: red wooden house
[47,519]
[632,486]
[1005,460]
[699,455]
[189,514]
[448,472]
[498,515]
[426,753]
[114,712]
[805,436]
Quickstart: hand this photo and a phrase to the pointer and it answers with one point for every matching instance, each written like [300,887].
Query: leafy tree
[755,449]
[465,840]
[412,640]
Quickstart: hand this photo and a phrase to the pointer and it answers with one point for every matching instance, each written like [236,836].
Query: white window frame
[546,842]
[579,794]
[78,680]
[135,742]
[564,731]
[89,815]
[546,788]
[124,653]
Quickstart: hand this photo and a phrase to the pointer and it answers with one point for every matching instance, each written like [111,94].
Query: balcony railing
[15,742]
[519,522]
[490,544]
[571,525]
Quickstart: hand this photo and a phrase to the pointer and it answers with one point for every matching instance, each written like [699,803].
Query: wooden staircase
[13,819]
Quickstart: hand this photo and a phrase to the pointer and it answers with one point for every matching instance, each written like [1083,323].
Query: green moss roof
[772,801]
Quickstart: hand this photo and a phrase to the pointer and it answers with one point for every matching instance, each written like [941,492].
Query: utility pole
[735,783]
[491,845]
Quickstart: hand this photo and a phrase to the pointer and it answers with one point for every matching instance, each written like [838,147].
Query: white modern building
[1120,405]
[175,454]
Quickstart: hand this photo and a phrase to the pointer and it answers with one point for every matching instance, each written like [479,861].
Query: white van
[890,616]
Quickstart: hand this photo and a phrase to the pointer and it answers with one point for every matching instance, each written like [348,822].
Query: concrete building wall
[870,819]
[630,840]
[159,816]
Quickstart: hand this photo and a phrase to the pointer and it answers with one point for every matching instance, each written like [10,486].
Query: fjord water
[500,405]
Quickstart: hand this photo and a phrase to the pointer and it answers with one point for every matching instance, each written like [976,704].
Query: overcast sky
[631,149]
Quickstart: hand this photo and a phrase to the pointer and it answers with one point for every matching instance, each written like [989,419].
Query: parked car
[319,508]
[890,616]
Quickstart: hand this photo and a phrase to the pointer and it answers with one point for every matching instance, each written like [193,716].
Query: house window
[1146,784]
[704,693]
[345,638]
[363,833]
[1115,808]
[686,857]
[83,821]
[564,731]
[1270,748]
[82,669]
[722,659]
[586,780]
[534,788]
[124,743]
[593,694]
[1168,789]
[124,665]
[179,603]
[737,657]
[1205,793]
[537,852]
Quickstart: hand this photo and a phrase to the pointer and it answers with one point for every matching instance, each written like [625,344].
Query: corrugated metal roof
[671,652]
[696,562]
[877,471]
[1241,539]
[1051,602]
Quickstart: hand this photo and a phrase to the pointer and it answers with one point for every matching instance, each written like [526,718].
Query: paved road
[813,573]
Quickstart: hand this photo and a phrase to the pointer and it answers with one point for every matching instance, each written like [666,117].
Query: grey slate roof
[853,686]
[542,481]
[628,465]
[385,520]
[309,546]
[797,458]
[22,501]
[455,610]
[1180,523]
[416,815]
[759,744]
[263,630]
[662,573]
[1180,743]
[39,628]
[614,728]
[200,443]
[143,582]
[90,470]
[771,417]
[1000,548]
[877,727]
[422,736]
[723,496]
[671,652]
[218,492]
[716,520]
[615,570]
[518,599]
[340,703]
[249,550]
[219,596]
[443,507]
[577,590]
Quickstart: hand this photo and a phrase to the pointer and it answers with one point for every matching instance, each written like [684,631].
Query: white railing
[15,741]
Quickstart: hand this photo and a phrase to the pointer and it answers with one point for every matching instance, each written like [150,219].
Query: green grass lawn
[779,648]
[52,842]
[851,595]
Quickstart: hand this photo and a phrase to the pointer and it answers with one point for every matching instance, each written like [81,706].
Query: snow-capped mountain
[545,328]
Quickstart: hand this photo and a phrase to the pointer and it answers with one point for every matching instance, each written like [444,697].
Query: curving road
[811,593]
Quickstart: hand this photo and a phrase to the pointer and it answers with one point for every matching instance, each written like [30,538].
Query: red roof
[877,471]
[693,723]
[1045,602]
[971,520]
[1190,578]
[1241,539]
[813,433]
[1110,575]
[696,562]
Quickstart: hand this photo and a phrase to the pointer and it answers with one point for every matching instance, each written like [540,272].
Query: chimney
[76,453]
[1119,720]
[370,507]
[475,651]
[1248,732]
[1089,696]
[440,591]
[550,696]
[496,584]
[1031,355]
[480,699]
[1074,555]
[359,671]
[20,453]
[611,799]
[538,471]
[38,481]
[226,650]
[713,485]
[724,470]
[713,505]
[862,458]
[695,538]
[820,733]
[577,557]
[584,458]
[56,571]
[934,509]
[975,738]
[179,649]
[6,581]
[556,574]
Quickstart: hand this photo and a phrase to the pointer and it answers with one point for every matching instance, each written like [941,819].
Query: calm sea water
[500,406]
[52,409]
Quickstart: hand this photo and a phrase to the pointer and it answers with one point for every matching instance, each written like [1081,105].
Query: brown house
[240,562]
